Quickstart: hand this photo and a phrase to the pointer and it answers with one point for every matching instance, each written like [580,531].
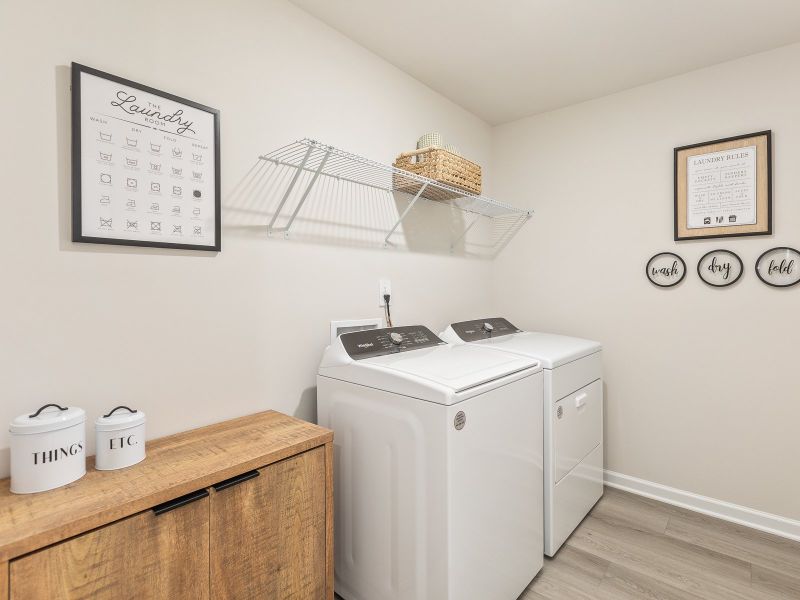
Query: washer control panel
[378,342]
[482,329]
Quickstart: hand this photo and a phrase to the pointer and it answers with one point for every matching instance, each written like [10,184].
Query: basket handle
[38,412]
[420,151]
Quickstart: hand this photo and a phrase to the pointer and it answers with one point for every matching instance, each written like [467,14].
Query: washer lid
[552,350]
[50,417]
[454,367]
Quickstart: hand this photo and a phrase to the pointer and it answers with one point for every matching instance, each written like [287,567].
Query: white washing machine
[437,464]
[573,416]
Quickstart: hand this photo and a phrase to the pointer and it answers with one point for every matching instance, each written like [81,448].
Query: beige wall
[193,338]
[703,392]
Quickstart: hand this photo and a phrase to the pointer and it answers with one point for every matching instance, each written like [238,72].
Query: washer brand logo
[48,456]
[370,345]
[460,420]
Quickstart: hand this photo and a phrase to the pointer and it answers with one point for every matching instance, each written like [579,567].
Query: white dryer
[573,416]
[438,467]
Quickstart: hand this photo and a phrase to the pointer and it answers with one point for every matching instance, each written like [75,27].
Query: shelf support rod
[405,212]
[464,233]
[292,183]
[308,189]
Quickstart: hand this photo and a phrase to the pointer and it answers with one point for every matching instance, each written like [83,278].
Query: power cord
[386,310]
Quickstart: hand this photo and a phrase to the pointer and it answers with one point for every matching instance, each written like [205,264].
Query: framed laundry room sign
[145,165]
[724,187]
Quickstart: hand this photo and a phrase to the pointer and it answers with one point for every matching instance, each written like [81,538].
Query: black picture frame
[732,233]
[723,285]
[763,254]
[662,285]
[77,199]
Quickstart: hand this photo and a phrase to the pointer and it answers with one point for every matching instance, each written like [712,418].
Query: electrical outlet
[384,287]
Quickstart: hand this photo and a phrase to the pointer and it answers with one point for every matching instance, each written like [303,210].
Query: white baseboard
[787,528]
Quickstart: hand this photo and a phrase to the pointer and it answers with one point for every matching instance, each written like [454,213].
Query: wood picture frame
[145,165]
[723,188]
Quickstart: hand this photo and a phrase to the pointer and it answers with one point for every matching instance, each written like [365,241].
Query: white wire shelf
[316,160]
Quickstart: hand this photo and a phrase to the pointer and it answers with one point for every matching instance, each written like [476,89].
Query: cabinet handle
[178,502]
[580,400]
[218,487]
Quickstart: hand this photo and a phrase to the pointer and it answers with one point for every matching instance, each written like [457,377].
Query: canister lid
[50,417]
[121,417]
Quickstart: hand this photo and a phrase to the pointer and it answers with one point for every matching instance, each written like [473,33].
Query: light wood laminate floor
[631,547]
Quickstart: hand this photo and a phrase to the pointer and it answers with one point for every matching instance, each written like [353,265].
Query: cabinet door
[268,533]
[146,556]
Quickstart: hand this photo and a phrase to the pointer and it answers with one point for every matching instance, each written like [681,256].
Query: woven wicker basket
[442,166]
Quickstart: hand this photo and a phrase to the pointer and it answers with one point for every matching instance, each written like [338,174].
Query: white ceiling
[506,59]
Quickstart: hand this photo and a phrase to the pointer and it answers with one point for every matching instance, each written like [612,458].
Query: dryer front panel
[577,427]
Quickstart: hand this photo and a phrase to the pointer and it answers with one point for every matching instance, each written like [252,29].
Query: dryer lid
[551,349]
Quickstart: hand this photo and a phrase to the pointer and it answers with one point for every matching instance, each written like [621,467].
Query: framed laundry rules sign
[145,165]
[724,188]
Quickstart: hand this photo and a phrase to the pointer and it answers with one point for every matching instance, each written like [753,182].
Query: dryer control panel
[379,342]
[483,329]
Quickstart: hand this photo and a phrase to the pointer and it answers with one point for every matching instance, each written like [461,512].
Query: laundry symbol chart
[134,225]
[106,223]
[104,137]
[131,142]
[105,157]
[131,162]
[131,183]
[155,167]
[177,152]
[155,148]
[155,225]
[105,178]
[155,187]
[105,199]
[177,172]
[177,228]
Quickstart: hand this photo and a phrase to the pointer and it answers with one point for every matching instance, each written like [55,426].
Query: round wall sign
[665,269]
[779,267]
[720,268]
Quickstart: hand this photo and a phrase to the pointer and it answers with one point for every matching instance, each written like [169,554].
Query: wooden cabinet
[268,533]
[242,509]
[143,556]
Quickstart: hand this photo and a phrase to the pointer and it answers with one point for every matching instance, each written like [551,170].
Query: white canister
[48,448]
[120,439]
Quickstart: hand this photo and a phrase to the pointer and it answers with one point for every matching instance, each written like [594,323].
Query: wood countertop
[175,465]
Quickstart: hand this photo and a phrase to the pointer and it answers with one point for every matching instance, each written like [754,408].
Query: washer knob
[488,327]
[396,338]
